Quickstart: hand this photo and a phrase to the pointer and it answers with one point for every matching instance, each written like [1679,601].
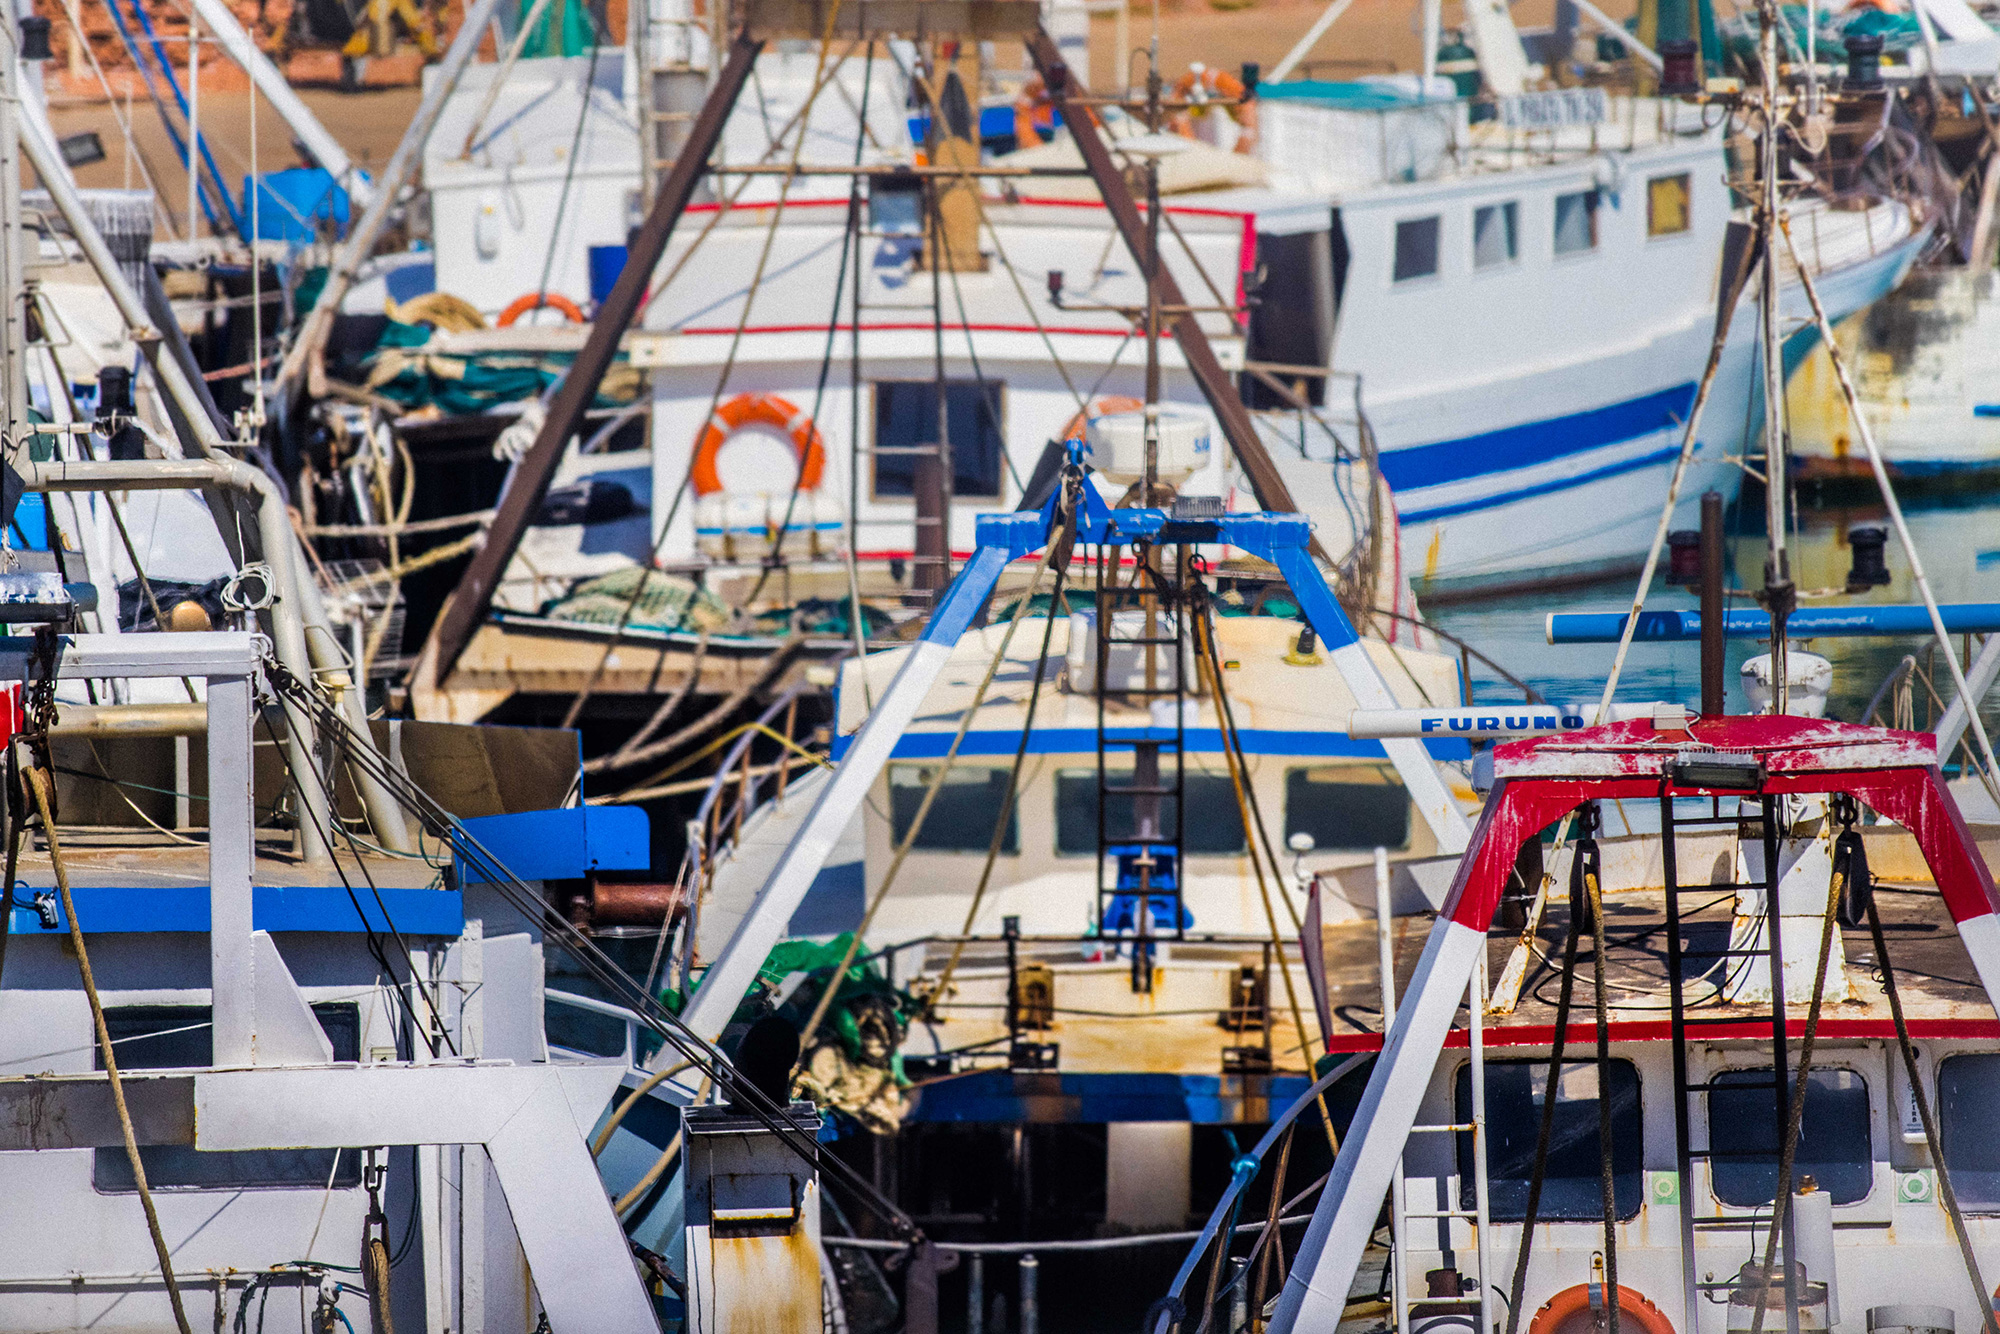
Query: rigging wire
[476,861]
[820,78]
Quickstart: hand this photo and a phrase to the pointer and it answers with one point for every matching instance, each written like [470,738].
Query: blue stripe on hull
[1498,499]
[1532,443]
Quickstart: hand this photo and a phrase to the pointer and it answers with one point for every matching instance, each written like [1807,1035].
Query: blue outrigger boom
[1282,539]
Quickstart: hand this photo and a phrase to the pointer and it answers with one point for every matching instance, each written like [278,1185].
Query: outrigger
[1741,1060]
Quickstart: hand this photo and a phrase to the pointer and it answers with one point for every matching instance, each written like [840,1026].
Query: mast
[1779,595]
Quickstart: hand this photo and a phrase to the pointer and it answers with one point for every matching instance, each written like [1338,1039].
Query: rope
[1013,790]
[40,787]
[1539,1172]
[832,987]
[1915,1076]
[1586,859]
[820,76]
[1990,771]
[1795,1114]
[653,1081]
[1212,668]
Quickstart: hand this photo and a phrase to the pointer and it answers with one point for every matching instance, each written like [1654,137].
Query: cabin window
[1215,822]
[1834,1146]
[1495,235]
[906,417]
[1348,806]
[1576,222]
[1667,205]
[962,817]
[1515,1091]
[1417,248]
[179,1037]
[1968,1101]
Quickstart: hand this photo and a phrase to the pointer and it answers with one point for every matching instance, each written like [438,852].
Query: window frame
[1686,178]
[193,1026]
[1510,211]
[1381,769]
[1010,845]
[1397,278]
[874,424]
[1849,1063]
[1594,198]
[1462,1148]
[1192,775]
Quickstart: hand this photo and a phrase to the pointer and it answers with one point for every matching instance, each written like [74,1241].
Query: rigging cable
[1538,1173]
[1782,1198]
[1924,1112]
[575,710]
[1058,546]
[473,856]
[1607,1179]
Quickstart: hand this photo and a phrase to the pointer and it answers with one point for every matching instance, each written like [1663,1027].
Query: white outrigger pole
[1282,539]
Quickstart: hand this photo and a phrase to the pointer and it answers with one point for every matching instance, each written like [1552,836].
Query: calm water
[1957,533]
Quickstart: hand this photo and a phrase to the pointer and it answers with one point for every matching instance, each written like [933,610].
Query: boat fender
[521,305]
[1578,1309]
[747,410]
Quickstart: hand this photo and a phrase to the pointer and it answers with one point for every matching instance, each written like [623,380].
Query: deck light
[1729,773]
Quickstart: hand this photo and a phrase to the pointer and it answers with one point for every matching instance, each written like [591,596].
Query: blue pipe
[1605,627]
[180,100]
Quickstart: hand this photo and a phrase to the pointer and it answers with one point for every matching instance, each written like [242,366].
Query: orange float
[758,410]
[521,305]
[1568,1312]
[1099,407]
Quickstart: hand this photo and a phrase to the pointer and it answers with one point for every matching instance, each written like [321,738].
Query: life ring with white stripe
[1569,1312]
[1104,406]
[758,410]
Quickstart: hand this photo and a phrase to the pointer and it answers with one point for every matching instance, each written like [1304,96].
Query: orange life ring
[521,305]
[1099,407]
[1203,84]
[758,410]
[1560,1313]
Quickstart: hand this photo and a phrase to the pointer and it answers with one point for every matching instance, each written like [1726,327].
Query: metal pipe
[1960,618]
[274,529]
[360,241]
[1714,694]
[270,81]
[1031,1306]
[288,623]
[97,722]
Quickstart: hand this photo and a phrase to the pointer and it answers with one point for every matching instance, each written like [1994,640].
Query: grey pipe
[274,529]
[288,624]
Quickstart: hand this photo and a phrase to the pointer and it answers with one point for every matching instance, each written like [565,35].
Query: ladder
[1770,809]
[1139,876]
[1400,1214]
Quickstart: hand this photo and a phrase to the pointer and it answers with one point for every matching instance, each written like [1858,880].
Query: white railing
[631,1022]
